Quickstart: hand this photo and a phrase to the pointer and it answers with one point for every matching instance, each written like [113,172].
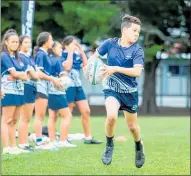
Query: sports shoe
[45,146]
[107,156]
[16,150]
[139,156]
[65,143]
[27,148]
[6,150]
[92,141]
[55,143]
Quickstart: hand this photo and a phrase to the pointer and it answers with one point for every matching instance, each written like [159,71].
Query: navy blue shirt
[11,63]
[56,71]
[74,73]
[27,60]
[120,56]
[42,61]
[77,60]
[29,64]
[56,66]
[8,63]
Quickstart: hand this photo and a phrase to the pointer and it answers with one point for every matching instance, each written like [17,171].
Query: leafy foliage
[85,19]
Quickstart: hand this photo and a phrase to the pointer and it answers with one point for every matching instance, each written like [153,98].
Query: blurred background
[164,87]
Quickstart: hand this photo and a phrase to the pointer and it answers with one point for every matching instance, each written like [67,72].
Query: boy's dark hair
[127,20]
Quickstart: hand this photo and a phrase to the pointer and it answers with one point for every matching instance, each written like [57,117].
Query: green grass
[167,148]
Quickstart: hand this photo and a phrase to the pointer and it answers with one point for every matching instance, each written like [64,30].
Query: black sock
[109,141]
[138,145]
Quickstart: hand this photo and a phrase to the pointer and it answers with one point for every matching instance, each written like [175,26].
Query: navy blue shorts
[74,94]
[128,101]
[12,100]
[29,93]
[56,102]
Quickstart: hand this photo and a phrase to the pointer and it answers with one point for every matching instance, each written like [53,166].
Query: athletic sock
[38,141]
[110,141]
[138,145]
[88,138]
[22,146]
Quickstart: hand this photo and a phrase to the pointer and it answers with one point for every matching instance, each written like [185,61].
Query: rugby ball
[65,82]
[92,71]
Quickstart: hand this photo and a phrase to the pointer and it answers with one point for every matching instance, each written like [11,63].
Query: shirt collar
[41,48]
[20,52]
[13,57]
[118,42]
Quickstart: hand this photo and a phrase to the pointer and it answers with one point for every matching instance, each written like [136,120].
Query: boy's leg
[112,106]
[131,121]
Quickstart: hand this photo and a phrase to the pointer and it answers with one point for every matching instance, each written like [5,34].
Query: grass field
[167,148]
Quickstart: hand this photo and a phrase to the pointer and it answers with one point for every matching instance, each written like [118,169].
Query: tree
[86,19]
[10,18]
[151,35]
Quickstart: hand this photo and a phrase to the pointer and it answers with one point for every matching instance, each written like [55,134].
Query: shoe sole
[106,163]
[139,166]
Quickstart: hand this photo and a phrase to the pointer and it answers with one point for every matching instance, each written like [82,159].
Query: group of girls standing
[31,83]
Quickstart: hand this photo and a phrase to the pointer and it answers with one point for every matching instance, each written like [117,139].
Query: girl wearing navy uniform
[13,74]
[57,102]
[43,66]
[29,93]
[73,62]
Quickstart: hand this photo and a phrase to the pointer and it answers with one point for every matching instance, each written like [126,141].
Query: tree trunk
[149,94]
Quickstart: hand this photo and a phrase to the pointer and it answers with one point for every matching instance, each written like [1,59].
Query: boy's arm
[101,50]
[134,72]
